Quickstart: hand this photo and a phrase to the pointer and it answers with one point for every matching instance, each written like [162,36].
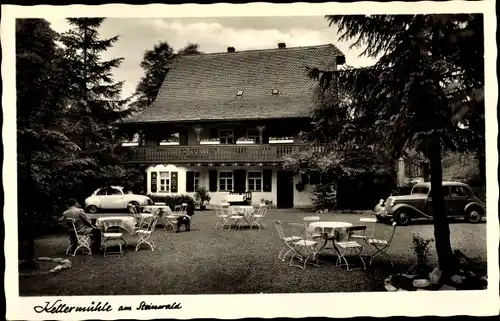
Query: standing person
[83,224]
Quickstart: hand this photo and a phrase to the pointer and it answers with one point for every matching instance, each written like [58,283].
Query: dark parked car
[459,199]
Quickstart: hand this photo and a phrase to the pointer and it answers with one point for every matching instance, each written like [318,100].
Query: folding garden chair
[236,218]
[145,235]
[171,219]
[308,220]
[223,217]
[306,250]
[113,234]
[134,211]
[370,223]
[382,246]
[350,247]
[286,240]
[258,216]
[83,241]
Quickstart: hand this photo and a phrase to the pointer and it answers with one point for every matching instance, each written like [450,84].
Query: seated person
[83,225]
[186,219]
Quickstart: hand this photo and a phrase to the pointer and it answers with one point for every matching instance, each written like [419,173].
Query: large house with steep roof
[225,121]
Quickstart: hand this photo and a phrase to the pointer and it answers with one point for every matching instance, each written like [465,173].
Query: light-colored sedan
[114,197]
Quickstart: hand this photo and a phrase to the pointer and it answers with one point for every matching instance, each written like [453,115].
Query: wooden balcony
[212,153]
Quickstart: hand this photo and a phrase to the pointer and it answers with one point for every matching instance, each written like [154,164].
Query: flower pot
[210,143]
[169,143]
[129,144]
[245,142]
[281,141]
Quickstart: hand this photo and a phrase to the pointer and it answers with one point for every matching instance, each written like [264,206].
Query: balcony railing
[212,153]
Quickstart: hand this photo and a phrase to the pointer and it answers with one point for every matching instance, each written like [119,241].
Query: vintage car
[114,198]
[459,199]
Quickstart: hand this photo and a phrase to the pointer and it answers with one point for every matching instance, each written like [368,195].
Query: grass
[208,261]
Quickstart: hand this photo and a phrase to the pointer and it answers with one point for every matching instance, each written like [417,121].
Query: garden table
[329,230]
[124,222]
[245,211]
[157,209]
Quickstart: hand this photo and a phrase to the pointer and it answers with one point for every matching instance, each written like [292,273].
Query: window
[170,139]
[459,191]
[226,136]
[254,135]
[275,92]
[225,181]
[164,182]
[101,192]
[114,191]
[239,93]
[255,181]
[420,190]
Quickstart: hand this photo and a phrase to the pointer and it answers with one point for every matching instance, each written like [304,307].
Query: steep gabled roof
[205,86]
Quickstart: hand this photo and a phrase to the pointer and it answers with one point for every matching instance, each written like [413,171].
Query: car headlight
[392,202]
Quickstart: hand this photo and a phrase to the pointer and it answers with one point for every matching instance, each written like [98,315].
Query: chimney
[230,49]
[281,45]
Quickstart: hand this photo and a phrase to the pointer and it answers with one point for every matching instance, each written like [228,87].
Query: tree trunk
[482,168]
[27,215]
[441,226]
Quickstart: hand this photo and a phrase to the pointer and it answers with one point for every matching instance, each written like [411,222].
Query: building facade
[226,121]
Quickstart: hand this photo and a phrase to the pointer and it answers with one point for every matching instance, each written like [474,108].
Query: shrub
[324,197]
[201,196]
[172,200]
[421,249]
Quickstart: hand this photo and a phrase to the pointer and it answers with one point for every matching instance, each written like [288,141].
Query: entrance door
[284,189]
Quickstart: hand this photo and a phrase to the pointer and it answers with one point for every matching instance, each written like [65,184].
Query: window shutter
[173,182]
[212,181]
[267,176]
[239,180]
[153,182]
[189,181]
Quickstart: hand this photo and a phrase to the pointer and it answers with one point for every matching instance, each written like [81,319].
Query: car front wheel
[474,216]
[402,218]
[92,209]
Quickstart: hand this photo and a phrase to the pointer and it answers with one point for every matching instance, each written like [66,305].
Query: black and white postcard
[255,160]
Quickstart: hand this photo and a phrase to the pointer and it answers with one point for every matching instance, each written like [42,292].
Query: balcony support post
[261,130]
[198,130]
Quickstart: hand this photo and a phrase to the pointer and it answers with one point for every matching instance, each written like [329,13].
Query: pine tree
[155,64]
[424,91]
[43,149]
[96,103]
[96,107]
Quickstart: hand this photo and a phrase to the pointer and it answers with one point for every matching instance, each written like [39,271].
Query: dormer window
[275,92]
[239,93]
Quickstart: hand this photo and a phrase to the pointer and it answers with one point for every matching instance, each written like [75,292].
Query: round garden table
[157,209]
[329,230]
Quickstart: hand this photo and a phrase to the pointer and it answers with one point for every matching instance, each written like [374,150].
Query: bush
[421,249]
[172,200]
[201,196]
[324,197]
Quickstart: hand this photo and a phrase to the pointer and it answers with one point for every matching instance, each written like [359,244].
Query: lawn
[208,261]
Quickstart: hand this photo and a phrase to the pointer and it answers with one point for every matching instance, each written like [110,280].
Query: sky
[136,35]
